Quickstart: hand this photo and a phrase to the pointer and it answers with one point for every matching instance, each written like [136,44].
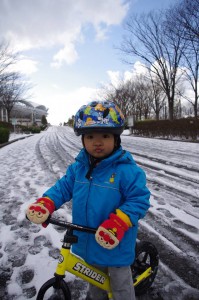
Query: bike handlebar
[69,225]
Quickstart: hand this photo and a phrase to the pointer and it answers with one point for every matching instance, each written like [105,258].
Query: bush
[24,129]
[4,135]
[182,128]
[35,129]
[28,130]
[6,125]
[43,127]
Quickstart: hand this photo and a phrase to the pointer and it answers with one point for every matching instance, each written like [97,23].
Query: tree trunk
[157,115]
[8,114]
[171,111]
[196,107]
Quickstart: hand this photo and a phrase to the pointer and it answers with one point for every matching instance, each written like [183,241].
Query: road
[30,166]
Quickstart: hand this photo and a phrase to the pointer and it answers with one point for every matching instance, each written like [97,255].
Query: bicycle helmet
[99,116]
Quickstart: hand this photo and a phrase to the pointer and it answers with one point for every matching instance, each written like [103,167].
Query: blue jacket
[116,182]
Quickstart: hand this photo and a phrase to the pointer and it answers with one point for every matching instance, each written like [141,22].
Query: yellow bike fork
[143,276]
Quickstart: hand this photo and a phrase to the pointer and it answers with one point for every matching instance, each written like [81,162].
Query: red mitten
[39,211]
[110,232]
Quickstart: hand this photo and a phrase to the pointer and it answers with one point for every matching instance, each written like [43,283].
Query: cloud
[67,54]
[26,66]
[115,77]
[48,23]
[139,68]
[61,109]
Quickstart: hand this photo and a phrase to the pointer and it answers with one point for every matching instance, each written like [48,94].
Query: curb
[15,140]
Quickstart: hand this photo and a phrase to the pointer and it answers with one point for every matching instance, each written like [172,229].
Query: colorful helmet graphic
[99,116]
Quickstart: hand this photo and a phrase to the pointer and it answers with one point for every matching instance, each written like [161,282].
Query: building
[25,113]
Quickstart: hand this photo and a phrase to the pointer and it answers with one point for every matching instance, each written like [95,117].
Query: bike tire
[51,283]
[146,256]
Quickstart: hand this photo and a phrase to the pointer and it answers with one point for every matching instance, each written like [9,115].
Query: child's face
[98,144]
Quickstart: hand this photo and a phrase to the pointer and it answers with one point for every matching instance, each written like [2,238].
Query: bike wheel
[54,290]
[146,256]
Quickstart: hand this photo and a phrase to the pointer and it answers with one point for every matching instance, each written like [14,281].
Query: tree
[133,96]
[185,15]
[12,85]
[143,97]
[191,73]
[13,91]
[7,59]
[70,121]
[120,95]
[149,39]
[158,96]
[44,120]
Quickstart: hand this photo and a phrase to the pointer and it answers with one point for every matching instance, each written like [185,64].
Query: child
[109,193]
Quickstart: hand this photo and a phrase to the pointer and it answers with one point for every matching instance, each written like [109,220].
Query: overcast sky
[68,48]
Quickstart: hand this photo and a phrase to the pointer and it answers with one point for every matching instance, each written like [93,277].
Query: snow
[14,136]
[28,252]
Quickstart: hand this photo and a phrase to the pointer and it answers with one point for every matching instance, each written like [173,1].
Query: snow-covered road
[27,252]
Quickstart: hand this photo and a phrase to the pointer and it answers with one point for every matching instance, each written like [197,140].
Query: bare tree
[133,99]
[7,59]
[158,96]
[185,15]
[192,76]
[12,85]
[13,91]
[143,97]
[149,39]
[120,94]
[133,96]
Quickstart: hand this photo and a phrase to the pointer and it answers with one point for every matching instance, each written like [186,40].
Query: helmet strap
[93,163]
[117,141]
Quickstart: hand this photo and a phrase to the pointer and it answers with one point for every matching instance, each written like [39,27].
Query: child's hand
[39,211]
[110,232]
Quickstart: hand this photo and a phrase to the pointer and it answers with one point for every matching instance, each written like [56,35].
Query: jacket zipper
[90,182]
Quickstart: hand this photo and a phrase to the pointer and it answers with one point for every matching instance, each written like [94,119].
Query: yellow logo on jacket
[112,178]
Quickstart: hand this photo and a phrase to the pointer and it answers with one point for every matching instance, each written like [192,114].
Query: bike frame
[74,264]
[77,266]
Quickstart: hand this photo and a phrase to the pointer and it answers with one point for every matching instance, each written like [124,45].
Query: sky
[69,49]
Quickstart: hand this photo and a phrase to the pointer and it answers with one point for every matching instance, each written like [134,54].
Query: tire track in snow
[176,260]
[48,151]
[173,179]
[164,162]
